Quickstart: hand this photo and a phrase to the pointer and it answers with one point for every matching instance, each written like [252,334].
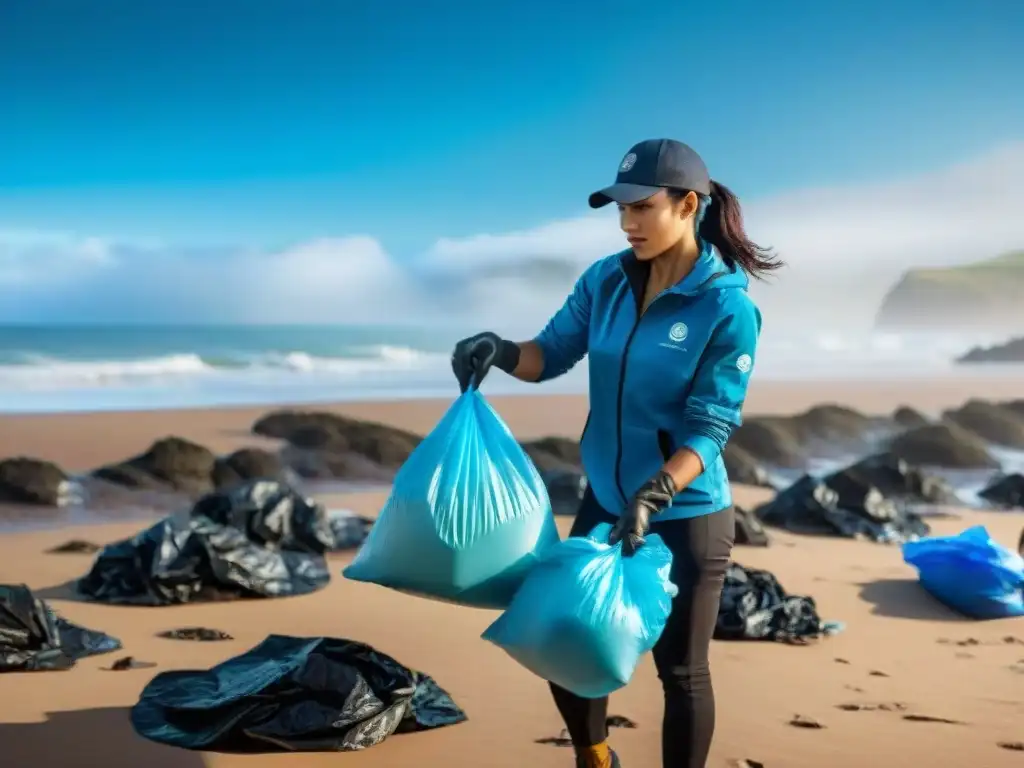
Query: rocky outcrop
[790,441]
[984,296]
[1010,352]
[743,468]
[906,417]
[332,433]
[942,445]
[989,421]
[248,464]
[33,481]
[551,454]
[171,463]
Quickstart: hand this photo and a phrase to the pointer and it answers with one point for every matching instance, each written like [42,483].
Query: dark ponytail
[722,226]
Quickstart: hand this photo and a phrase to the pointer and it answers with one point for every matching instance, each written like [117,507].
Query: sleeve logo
[743,362]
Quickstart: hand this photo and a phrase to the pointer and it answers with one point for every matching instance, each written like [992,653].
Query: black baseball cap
[652,165]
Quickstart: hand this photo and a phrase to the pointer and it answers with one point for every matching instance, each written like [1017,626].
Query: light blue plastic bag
[586,614]
[467,518]
[970,573]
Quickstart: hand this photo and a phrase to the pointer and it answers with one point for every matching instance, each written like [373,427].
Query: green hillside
[986,294]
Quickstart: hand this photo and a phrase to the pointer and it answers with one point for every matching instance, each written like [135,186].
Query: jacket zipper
[640,312]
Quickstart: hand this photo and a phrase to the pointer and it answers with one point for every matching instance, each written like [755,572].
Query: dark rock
[247,464]
[201,634]
[75,547]
[1011,351]
[990,422]
[384,445]
[749,531]
[126,663]
[789,441]
[313,464]
[830,422]
[565,489]
[894,478]
[942,445]
[172,462]
[770,440]
[743,468]
[1006,492]
[554,453]
[33,481]
[1017,406]
[854,510]
[909,418]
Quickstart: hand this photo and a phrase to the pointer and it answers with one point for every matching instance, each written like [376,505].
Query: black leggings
[700,553]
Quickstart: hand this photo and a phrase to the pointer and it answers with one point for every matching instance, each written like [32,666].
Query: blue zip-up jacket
[675,376]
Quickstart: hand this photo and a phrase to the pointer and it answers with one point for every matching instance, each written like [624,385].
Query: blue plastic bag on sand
[586,614]
[467,517]
[970,573]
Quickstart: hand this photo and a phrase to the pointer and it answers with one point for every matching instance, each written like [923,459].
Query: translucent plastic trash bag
[970,573]
[586,614]
[467,517]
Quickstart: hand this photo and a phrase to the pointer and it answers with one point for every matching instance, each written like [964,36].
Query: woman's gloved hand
[473,358]
[653,497]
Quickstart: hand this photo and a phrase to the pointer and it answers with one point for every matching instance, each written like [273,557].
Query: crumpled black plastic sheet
[849,509]
[33,638]
[259,539]
[293,694]
[754,606]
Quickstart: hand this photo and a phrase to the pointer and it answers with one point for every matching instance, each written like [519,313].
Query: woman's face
[656,224]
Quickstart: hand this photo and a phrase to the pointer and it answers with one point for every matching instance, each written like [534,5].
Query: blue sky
[265,124]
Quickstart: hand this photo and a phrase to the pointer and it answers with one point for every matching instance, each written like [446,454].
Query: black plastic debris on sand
[197,634]
[293,694]
[258,539]
[74,547]
[843,504]
[126,663]
[1005,492]
[754,606]
[749,530]
[34,638]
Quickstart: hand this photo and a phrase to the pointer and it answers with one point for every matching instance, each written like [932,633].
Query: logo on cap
[743,362]
[628,162]
[678,332]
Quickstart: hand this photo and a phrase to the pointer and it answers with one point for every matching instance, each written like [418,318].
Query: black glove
[654,496]
[473,357]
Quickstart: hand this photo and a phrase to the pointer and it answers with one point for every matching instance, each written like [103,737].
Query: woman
[671,336]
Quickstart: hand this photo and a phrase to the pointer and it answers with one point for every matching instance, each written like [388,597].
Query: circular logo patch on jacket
[743,362]
[678,332]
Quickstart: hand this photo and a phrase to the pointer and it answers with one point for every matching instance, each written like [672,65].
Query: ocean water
[65,368]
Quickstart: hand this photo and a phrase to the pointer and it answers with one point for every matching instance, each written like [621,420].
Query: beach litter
[293,694]
[34,638]
[259,539]
[970,573]
[467,518]
[754,606]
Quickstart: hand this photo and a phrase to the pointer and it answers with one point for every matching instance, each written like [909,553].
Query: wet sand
[899,647]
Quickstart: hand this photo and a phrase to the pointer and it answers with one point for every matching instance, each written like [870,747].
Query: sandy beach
[900,647]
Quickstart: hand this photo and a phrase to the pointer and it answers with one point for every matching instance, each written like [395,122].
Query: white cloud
[844,246]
